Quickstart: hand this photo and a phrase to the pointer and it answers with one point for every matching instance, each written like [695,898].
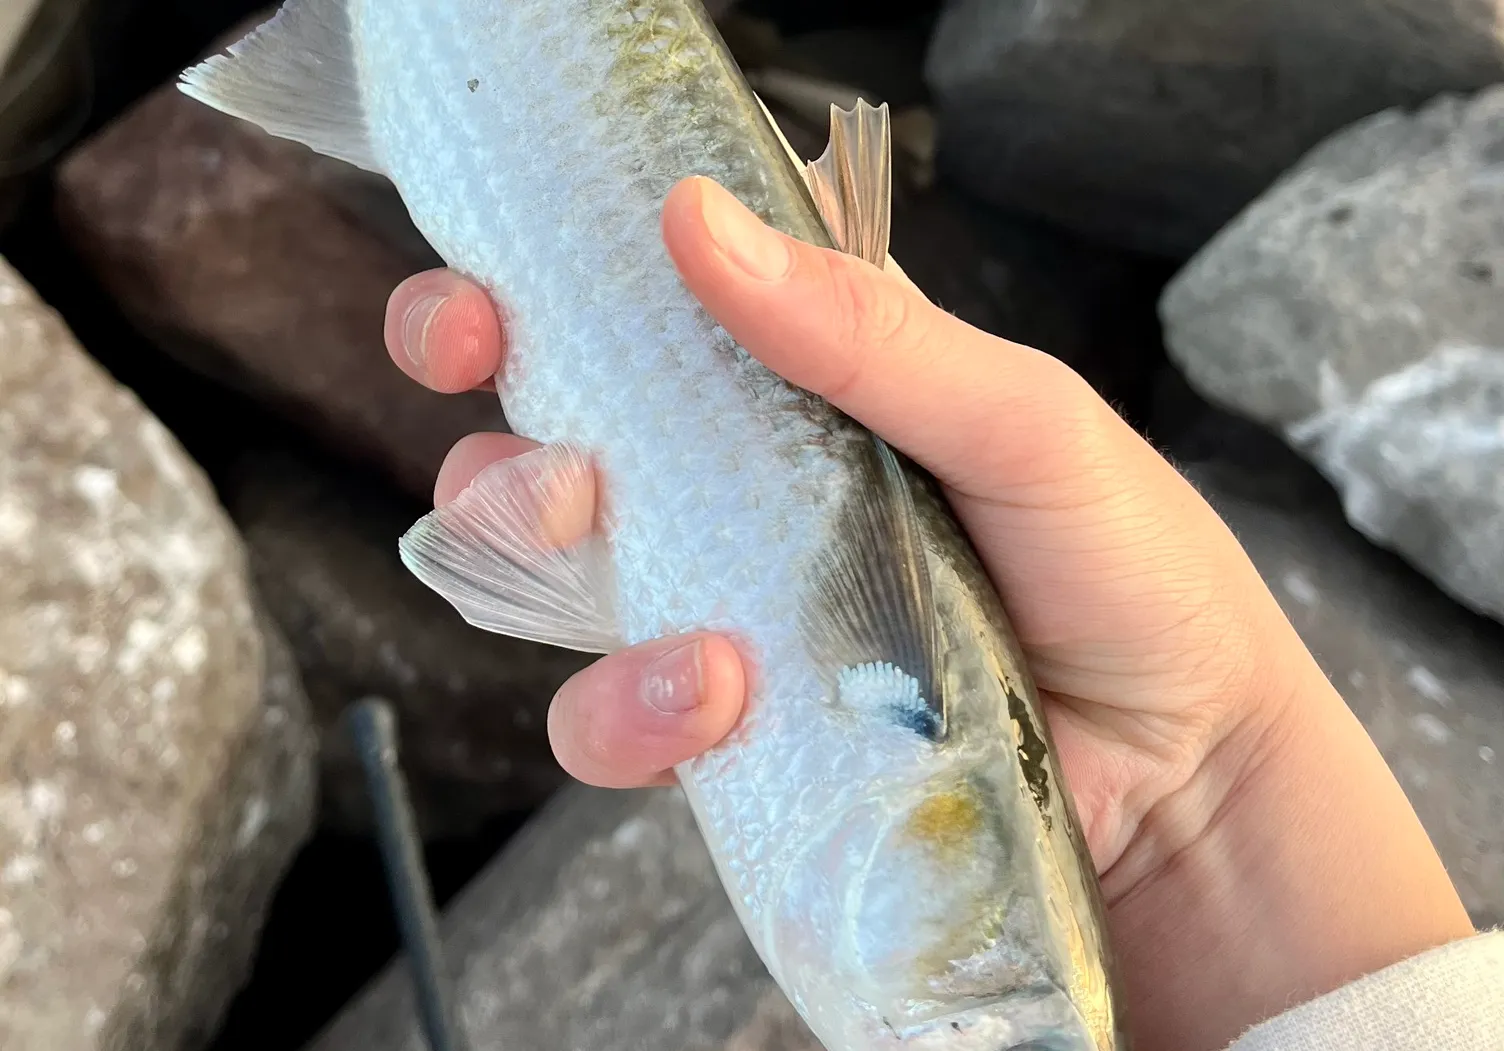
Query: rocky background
[1271,233]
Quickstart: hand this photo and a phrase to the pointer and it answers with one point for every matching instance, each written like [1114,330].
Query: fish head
[921,917]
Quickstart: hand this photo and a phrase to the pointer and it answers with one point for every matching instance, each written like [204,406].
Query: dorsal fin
[852,182]
[296,77]
[831,221]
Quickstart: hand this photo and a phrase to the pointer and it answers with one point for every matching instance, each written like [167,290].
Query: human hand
[1254,849]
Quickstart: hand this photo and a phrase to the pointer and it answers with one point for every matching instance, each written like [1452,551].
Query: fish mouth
[1038,1018]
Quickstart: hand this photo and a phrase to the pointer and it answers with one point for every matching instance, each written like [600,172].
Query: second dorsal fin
[833,219]
[852,181]
[296,77]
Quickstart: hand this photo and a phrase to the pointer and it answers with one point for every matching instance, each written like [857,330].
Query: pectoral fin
[296,77]
[869,615]
[519,552]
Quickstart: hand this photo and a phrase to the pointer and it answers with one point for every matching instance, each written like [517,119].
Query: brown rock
[260,263]
[156,764]
[603,926]
[471,705]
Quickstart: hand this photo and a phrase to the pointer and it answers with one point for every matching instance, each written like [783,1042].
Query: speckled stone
[1356,308]
[601,926]
[471,705]
[156,763]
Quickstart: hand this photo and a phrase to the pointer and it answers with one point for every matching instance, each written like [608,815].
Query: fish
[888,816]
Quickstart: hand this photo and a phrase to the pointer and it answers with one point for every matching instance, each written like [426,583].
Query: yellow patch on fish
[951,826]
[946,821]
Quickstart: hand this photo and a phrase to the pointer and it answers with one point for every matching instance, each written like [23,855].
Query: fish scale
[897,876]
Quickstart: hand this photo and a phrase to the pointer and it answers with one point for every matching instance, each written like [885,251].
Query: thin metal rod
[374,730]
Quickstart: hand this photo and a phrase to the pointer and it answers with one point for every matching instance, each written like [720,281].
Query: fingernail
[673,681]
[415,328]
[760,251]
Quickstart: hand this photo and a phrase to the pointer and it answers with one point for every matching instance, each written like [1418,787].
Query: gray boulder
[602,926]
[1356,308]
[1153,123]
[156,762]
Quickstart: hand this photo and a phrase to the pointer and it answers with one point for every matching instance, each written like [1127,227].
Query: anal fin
[296,77]
[519,552]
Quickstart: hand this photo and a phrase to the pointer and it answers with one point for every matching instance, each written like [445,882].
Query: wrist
[1309,870]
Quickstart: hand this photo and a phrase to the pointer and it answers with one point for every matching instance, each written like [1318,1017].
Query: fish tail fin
[297,77]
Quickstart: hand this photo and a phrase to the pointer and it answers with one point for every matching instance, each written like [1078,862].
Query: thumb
[979,412]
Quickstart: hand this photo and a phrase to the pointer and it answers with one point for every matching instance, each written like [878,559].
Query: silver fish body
[887,818]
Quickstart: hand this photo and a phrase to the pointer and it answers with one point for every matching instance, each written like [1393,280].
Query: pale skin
[1254,849]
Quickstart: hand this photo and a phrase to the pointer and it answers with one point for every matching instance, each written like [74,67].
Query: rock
[1425,677]
[1357,309]
[886,60]
[264,265]
[156,762]
[1093,308]
[601,926]
[1152,124]
[471,705]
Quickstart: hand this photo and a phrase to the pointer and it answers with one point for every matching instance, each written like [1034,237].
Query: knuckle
[1085,421]
[869,314]
[1075,442]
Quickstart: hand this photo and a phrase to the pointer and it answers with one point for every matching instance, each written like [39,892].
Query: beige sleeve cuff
[1448,999]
